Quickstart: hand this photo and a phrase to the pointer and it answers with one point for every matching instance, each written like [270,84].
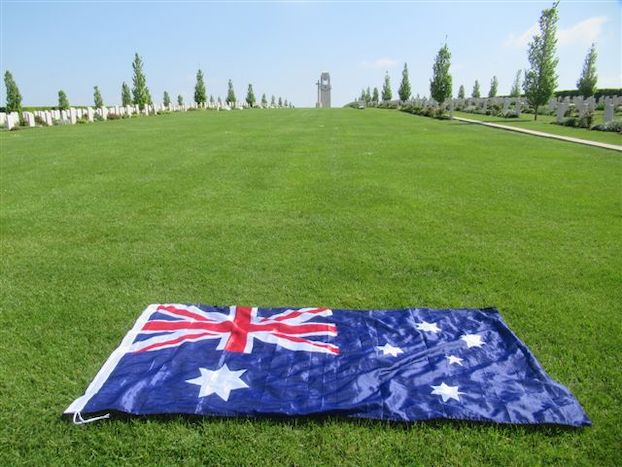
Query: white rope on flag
[78,420]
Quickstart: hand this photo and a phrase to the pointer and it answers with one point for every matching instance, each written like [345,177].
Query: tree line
[140,95]
[539,80]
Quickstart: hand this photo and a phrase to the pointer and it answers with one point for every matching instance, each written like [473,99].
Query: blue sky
[281,48]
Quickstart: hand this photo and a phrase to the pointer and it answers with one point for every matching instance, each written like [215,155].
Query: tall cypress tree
[375,97]
[387,94]
[180,100]
[404,90]
[541,77]
[588,79]
[367,96]
[140,92]
[13,96]
[441,82]
[126,95]
[273,101]
[200,93]
[476,92]
[494,84]
[280,102]
[515,91]
[166,99]
[97,98]
[250,96]
[264,100]
[63,101]
[461,92]
[230,93]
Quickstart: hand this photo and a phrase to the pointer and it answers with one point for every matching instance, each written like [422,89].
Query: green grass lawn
[545,123]
[340,208]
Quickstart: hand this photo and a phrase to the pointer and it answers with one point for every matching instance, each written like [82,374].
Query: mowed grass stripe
[340,208]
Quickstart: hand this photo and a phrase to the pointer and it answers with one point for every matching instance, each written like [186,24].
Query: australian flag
[401,365]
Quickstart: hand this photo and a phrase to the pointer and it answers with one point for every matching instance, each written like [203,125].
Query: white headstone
[73,116]
[608,116]
[582,108]
[12,120]
[90,114]
[561,111]
[506,104]
[2,119]
[29,117]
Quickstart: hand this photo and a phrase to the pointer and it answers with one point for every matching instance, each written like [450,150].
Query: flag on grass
[404,365]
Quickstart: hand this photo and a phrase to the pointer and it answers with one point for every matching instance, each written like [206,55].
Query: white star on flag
[473,340]
[447,392]
[428,327]
[388,349]
[453,359]
[220,382]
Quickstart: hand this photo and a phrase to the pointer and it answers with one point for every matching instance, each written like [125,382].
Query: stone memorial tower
[323,90]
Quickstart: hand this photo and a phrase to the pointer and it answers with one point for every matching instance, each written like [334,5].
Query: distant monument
[323,90]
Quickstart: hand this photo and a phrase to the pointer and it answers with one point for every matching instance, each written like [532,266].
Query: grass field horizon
[338,207]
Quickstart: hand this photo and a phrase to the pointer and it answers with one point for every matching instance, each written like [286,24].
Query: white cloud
[384,62]
[582,33]
[521,40]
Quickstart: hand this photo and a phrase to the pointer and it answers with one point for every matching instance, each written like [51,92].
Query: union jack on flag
[402,365]
[173,325]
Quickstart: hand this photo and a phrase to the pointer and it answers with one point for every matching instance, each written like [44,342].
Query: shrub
[388,105]
[586,120]
[493,109]
[615,125]
[192,109]
[570,121]
[432,112]
[114,117]
[98,118]
[39,121]
[579,122]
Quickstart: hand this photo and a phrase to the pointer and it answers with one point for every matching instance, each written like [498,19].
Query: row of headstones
[484,102]
[72,115]
[585,105]
[560,105]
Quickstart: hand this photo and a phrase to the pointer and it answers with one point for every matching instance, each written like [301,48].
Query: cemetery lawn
[544,123]
[341,208]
